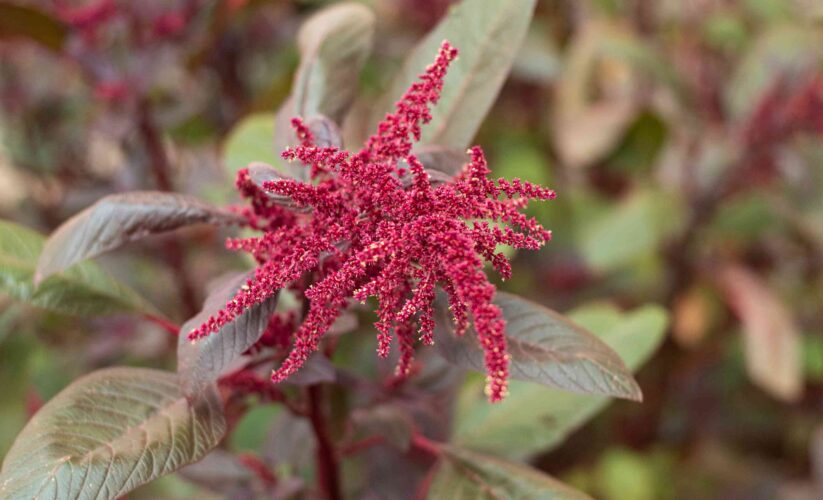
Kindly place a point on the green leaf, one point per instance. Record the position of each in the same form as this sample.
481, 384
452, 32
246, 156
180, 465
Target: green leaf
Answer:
464, 474
488, 36
628, 232
546, 348
533, 418
108, 433
251, 140
118, 219
201, 362
19, 21
84, 290
334, 45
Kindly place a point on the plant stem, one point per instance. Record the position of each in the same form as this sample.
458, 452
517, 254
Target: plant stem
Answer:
327, 460
165, 324
160, 169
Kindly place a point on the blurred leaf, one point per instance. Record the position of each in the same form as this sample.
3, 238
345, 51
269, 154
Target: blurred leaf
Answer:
201, 362
386, 420
813, 357
691, 315
251, 140
644, 140
84, 290
249, 435
316, 370
626, 233
784, 51
771, 339
108, 433
538, 60
583, 131
463, 474
121, 218
20, 21
624, 474
545, 347
533, 418
290, 441
488, 36
725, 31
334, 44
221, 472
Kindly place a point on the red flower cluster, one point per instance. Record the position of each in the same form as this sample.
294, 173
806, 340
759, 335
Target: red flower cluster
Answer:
372, 224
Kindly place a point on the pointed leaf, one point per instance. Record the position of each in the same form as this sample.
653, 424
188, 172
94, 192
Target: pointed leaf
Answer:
118, 219
334, 45
108, 433
464, 474
84, 290
546, 348
771, 338
533, 418
202, 362
488, 35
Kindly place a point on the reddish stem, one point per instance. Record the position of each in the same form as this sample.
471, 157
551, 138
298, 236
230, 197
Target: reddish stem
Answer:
424, 444
165, 324
161, 168
363, 444
326, 457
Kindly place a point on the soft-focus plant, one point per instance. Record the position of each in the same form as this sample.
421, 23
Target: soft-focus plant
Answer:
404, 229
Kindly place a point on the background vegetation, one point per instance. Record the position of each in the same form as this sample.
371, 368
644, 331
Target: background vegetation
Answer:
683, 139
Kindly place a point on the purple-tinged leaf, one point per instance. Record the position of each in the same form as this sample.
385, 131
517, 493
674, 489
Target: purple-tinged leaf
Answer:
201, 362
118, 219
546, 348
316, 370
387, 420
109, 432
463, 474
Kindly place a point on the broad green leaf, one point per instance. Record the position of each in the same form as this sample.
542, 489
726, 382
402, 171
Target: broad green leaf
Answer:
251, 140
488, 36
533, 418
118, 219
20, 21
334, 45
628, 232
546, 348
108, 433
202, 362
463, 474
84, 290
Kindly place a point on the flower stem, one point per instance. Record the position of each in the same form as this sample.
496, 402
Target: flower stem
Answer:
327, 460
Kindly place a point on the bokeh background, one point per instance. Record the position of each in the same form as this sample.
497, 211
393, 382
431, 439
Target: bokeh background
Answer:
684, 138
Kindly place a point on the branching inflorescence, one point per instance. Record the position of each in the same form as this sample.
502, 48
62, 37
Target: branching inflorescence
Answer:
378, 227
